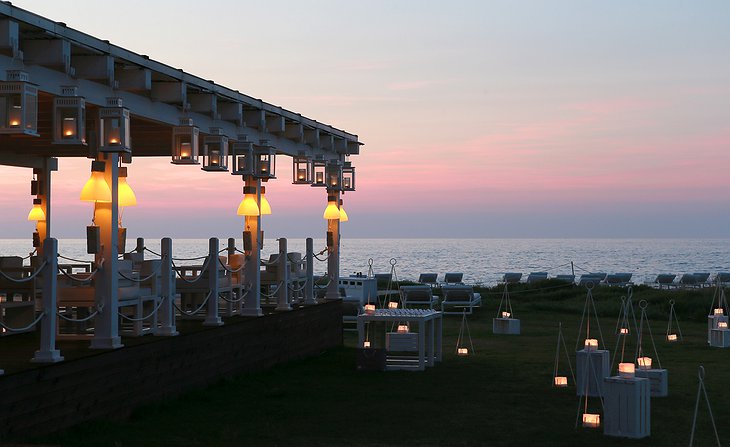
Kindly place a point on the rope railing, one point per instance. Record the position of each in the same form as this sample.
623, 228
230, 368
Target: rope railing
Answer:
25, 328
190, 314
150, 251
78, 320
316, 256
154, 311
272, 294
298, 289
272, 262
145, 279
30, 255
74, 260
237, 300
81, 280
228, 269
190, 259
300, 262
27, 278
197, 278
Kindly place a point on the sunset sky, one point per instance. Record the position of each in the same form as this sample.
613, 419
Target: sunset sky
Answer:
480, 118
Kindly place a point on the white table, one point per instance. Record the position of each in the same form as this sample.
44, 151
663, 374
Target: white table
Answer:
429, 327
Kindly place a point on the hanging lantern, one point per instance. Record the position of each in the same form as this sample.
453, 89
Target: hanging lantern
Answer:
462, 352
248, 206
69, 114
126, 195
644, 363
402, 329
626, 370
18, 105
265, 160
348, 177
591, 344
591, 420
343, 214
671, 337
334, 175
215, 151
624, 331
366, 344
242, 154
369, 308
185, 143
331, 212
114, 127
506, 314
718, 311
722, 324
560, 381
319, 166
301, 170
392, 305
96, 188
37, 213
265, 207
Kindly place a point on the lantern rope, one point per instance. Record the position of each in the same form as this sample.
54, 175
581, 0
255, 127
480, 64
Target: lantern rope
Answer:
557, 354
461, 338
585, 391
78, 320
25, 328
152, 275
82, 280
190, 314
26, 279
701, 387
272, 294
154, 311
589, 303
719, 294
639, 348
507, 303
673, 313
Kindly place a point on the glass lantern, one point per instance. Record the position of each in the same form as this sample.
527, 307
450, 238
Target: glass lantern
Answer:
319, 167
114, 127
265, 161
185, 143
242, 154
215, 151
18, 105
301, 171
334, 175
69, 114
348, 177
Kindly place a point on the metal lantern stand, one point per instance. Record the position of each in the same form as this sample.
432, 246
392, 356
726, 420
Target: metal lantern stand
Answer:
505, 323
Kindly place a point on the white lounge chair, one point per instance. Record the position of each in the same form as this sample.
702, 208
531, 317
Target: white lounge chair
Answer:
534, 277
665, 280
453, 278
417, 296
459, 298
511, 277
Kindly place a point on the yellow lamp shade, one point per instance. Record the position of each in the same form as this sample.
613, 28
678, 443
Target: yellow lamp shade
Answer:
331, 212
36, 213
248, 206
265, 207
343, 214
126, 195
96, 189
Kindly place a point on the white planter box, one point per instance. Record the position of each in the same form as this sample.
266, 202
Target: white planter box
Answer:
720, 338
591, 366
510, 326
401, 342
712, 321
658, 381
627, 406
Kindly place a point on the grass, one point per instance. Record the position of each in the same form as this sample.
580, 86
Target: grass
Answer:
500, 396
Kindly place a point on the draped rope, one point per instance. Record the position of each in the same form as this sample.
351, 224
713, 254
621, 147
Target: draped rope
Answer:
82, 280
272, 294
228, 269
154, 311
78, 320
147, 278
190, 314
26, 279
23, 329
197, 278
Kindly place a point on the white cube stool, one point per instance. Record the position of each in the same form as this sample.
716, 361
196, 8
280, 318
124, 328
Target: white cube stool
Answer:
627, 406
658, 381
720, 338
600, 367
510, 326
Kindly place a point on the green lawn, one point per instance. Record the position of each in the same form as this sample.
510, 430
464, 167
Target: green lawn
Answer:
502, 395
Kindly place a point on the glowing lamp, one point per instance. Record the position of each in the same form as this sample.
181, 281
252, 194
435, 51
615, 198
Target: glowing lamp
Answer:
334, 175
671, 337
319, 167
366, 344
718, 311
248, 206
343, 214
402, 329
560, 381
591, 420
462, 352
506, 314
215, 151
18, 105
591, 344
626, 370
644, 363
331, 212
369, 308
624, 331
242, 155
301, 170
96, 188
37, 213
69, 114
114, 131
185, 143
265, 207
126, 195
348, 177
722, 324
393, 305
265, 156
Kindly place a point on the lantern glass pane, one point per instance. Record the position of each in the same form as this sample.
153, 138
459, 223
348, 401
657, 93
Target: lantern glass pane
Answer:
14, 111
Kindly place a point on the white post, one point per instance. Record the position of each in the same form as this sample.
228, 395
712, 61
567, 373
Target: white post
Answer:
283, 276
333, 250
48, 352
252, 304
309, 297
167, 311
212, 318
140, 248
106, 281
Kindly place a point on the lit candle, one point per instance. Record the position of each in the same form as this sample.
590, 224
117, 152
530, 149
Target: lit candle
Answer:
402, 328
644, 362
561, 381
366, 344
506, 314
626, 370
69, 127
591, 420
591, 344
671, 337
462, 351
184, 150
14, 123
719, 311
215, 158
301, 174
624, 330
369, 308
264, 166
393, 305
320, 178
346, 182
722, 324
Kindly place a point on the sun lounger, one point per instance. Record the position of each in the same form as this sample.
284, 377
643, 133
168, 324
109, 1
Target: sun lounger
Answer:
534, 277
453, 278
591, 278
619, 279
723, 278
565, 278
458, 298
688, 280
702, 279
511, 277
665, 280
417, 296
428, 278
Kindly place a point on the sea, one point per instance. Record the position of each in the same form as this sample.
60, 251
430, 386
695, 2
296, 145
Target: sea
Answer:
482, 261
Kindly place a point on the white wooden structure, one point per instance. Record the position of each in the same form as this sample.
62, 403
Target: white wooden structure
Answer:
627, 405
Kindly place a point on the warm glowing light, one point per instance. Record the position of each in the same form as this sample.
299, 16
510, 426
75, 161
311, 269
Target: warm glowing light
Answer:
671, 337
69, 127
462, 351
14, 123
644, 362
126, 195
366, 344
113, 141
184, 150
506, 314
265, 207
319, 178
302, 174
369, 308
331, 212
624, 331
591, 420
96, 188
626, 370
591, 344
248, 206
561, 381
722, 324
37, 213
343, 214
393, 305
402, 328
719, 311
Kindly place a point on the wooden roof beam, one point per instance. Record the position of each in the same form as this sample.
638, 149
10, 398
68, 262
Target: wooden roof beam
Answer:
205, 103
51, 53
133, 79
170, 92
98, 68
9, 38
231, 111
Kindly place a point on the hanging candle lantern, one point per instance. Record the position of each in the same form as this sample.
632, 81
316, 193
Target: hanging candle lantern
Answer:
402, 329
185, 143
369, 308
591, 344
644, 363
334, 175
348, 177
69, 114
591, 420
626, 370
265, 160
671, 337
366, 344
18, 105
718, 311
242, 155
114, 132
624, 331
462, 352
319, 166
722, 324
215, 151
301, 170
560, 381
392, 305
506, 314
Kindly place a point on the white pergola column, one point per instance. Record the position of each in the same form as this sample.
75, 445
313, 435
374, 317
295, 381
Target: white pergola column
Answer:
44, 193
47, 353
333, 250
252, 270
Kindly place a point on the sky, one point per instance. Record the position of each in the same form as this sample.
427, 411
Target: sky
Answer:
563, 118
